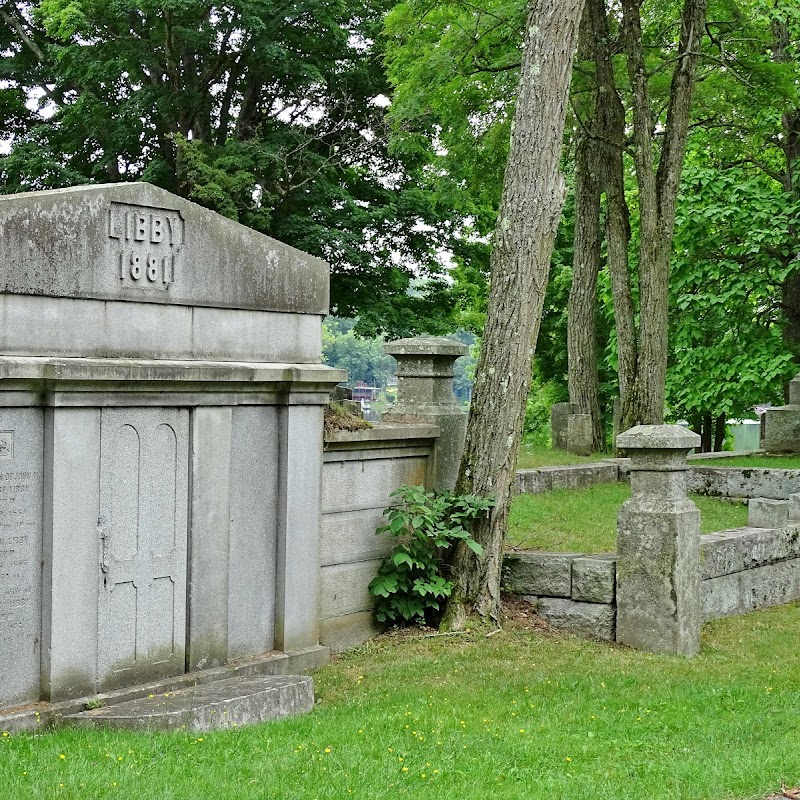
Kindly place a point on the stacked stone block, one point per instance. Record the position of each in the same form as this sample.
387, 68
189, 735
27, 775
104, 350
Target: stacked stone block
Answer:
571, 591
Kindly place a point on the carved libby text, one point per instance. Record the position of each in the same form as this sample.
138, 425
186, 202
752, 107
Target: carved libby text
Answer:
150, 240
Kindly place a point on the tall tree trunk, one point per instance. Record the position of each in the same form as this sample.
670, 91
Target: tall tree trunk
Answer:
609, 150
790, 143
719, 432
582, 377
530, 209
658, 194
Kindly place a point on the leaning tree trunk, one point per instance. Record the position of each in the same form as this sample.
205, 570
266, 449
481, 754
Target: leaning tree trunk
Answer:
530, 209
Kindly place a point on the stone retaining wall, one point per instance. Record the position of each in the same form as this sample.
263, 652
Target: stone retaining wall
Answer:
722, 481
578, 476
741, 570
776, 484
360, 470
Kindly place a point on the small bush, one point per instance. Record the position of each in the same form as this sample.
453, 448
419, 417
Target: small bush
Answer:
410, 583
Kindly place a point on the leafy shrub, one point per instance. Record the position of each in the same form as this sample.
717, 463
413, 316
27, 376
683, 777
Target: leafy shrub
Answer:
410, 583
536, 429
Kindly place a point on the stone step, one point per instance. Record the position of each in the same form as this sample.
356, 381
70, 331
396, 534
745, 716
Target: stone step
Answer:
230, 703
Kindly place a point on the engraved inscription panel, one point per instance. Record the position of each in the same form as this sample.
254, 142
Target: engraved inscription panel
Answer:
143, 539
148, 241
20, 556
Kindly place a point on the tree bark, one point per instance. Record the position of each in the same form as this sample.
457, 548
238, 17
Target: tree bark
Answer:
582, 375
530, 209
790, 143
658, 193
719, 432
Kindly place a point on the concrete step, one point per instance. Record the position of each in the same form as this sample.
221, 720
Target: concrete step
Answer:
230, 703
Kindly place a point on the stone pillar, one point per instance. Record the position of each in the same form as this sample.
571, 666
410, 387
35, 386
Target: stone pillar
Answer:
658, 545
425, 394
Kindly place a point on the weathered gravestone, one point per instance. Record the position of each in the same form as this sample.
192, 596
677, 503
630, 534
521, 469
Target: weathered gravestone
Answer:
559, 417
781, 425
160, 441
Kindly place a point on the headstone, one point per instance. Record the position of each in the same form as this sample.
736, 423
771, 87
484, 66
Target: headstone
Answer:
425, 394
782, 424
559, 413
579, 434
161, 400
658, 545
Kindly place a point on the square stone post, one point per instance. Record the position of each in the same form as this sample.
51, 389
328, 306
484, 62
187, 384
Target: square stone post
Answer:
658, 545
425, 394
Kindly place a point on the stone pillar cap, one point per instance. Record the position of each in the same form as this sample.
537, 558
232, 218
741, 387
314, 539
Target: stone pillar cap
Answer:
426, 346
658, 437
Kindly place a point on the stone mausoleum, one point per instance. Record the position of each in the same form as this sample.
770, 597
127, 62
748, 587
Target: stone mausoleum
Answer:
161, 422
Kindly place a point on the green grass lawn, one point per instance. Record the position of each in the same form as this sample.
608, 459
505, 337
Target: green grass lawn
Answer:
532, 456
770, 462
524, 714
584, 520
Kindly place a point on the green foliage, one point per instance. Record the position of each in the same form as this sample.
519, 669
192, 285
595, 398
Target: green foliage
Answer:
536, 429
411, 583
270, 113
362, 357
734, 247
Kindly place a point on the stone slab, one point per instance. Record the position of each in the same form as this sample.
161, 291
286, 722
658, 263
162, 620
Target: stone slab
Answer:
782, 429
382, 432
348, 536
750, 590
297, 606
72, 553
794, 507
220, 705
253, 530
209, 537
727, 552
137, 242
537, 573
350, 630
594, 578
763, 512
45, 715
71, 327
589, 620
658, 437
21, 449
361, 484
543, 479
345, 588
132, 374
776, 484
